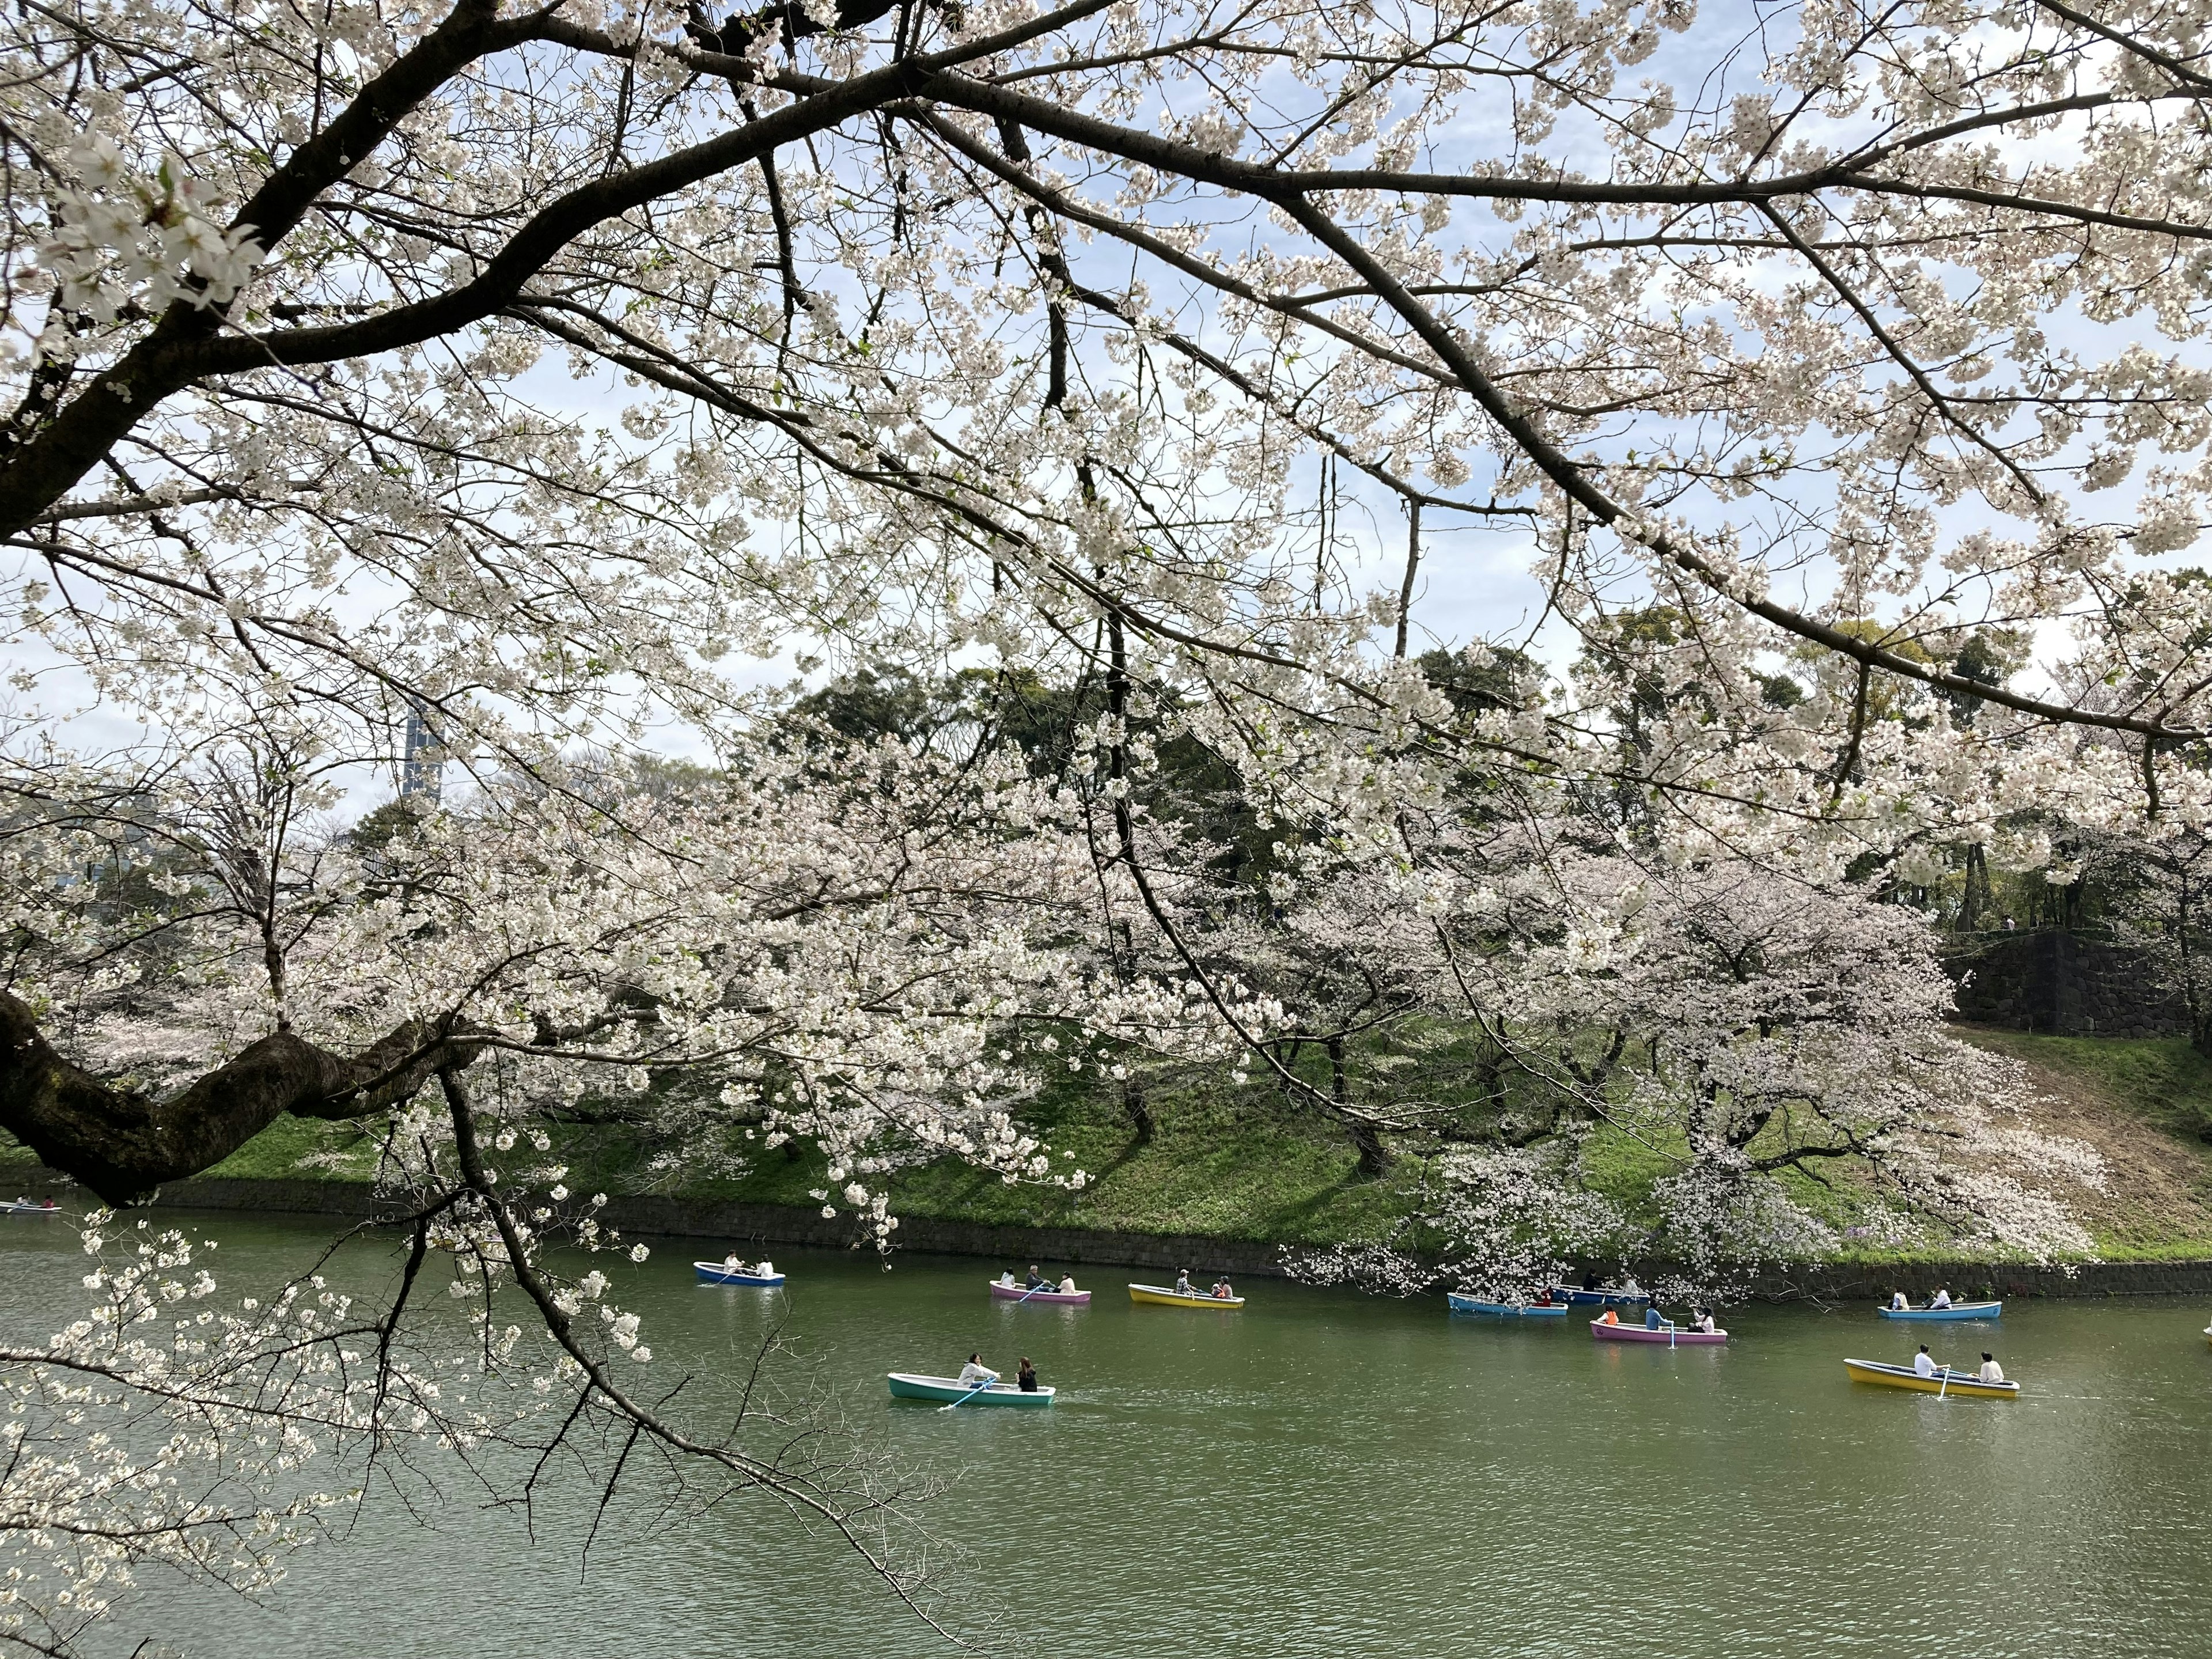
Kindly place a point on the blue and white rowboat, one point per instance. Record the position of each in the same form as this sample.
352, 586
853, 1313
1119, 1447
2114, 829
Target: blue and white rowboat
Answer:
1605, 1296
1957, 1310
718, 1273
1472, 1305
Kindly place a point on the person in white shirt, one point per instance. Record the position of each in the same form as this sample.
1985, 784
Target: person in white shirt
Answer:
1990, 1370
1897, 1301
975, 1374
1704, 1322
1921, 1365
1067, 1285
1006, 1278
1942, 1298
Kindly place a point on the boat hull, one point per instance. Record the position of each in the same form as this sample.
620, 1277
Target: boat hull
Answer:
713, 1272
1949, 1384
1470, 1304
1161, 1296
947, 1390
1603, 1296
30, 1209
1063, 1298
1956, 1312
1667, 1336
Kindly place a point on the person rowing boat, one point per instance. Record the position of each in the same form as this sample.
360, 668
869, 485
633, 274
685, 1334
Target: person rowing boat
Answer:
1923, 1364
976, 1374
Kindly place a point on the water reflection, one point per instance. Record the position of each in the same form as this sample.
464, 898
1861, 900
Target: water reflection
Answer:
1323, 1475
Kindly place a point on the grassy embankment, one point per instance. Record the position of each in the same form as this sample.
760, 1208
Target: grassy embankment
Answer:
1235, 1162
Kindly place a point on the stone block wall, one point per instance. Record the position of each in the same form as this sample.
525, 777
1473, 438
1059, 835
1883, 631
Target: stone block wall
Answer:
2063, 985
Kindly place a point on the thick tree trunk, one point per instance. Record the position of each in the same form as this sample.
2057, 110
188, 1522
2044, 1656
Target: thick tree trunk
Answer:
1374, 1156
123, 1145
1139, 1109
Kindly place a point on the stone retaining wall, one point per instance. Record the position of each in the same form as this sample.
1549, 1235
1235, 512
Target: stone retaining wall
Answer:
2063, 985
752, 1225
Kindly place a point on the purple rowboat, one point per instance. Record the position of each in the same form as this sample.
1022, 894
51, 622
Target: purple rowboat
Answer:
1670, 1336
1015, 1293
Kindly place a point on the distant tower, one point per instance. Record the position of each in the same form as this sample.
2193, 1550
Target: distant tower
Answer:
423, 769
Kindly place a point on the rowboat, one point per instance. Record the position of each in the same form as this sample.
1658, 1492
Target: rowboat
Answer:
1162, 1296
949, 1390
24, 1207
1015, 1293
1956, 1310
717, 1272
1472, 1305
1671, 1336
1605, 1296
2208, 1334
1946, 1382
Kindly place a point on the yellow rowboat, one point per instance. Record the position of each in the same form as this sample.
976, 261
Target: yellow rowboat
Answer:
2208, 1335
1162, 1296
1949, 1383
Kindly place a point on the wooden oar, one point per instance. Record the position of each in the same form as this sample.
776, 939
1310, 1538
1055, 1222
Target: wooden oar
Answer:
969, 1396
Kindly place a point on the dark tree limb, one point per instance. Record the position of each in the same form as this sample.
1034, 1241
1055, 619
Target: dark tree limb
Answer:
123, 1144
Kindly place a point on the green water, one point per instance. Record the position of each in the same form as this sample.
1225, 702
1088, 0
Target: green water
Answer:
1323, 1474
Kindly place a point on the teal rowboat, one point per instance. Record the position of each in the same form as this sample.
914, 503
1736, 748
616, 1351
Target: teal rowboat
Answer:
1475, 1304
1959, 1312
944, 1390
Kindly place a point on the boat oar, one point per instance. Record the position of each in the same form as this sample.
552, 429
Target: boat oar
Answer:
968, 1396
1946, 1382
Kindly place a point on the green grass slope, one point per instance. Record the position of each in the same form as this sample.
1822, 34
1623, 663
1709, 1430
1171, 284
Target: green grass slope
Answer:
1232, 1161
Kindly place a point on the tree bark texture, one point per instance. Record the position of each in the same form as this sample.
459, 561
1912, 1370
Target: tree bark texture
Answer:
123, 1144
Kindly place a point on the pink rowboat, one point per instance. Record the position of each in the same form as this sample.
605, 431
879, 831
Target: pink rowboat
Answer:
1015, 1293
1667, 1335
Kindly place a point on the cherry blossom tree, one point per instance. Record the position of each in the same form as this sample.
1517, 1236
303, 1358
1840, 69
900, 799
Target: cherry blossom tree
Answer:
525, 371
1771, 1049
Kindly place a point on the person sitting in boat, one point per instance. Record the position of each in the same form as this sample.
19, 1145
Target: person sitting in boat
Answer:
1182, 1284
1898, 1302
976, 1374
1990, 1370
1704, 1322
1589, 1280
1652, 1320
1941, 1299
1067, 1284
1036, 1280
1632, 1289
1006, 1278
1608, 1317
1923, 1365
1221, 1292
1025, 1377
